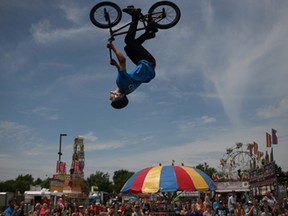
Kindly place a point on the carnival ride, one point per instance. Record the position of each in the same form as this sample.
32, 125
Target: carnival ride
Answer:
237, 161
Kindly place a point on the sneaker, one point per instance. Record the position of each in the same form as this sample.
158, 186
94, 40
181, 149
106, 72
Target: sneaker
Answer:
131, 10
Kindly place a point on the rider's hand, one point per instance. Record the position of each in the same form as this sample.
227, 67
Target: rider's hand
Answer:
109, 44
113, 62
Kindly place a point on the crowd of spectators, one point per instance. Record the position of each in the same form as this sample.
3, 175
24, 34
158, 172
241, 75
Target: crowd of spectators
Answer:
216, 206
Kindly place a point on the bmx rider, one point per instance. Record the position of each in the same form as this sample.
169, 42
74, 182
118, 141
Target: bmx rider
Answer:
145, 63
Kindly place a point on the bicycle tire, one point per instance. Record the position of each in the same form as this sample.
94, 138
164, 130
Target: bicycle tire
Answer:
172, 14
97, 14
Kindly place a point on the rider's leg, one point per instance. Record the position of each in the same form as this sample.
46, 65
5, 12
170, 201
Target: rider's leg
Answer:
134, 50
130, 36
137, 52
145, 36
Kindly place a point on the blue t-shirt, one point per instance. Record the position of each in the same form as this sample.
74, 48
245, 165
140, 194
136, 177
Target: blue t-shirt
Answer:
9, 212
142, 73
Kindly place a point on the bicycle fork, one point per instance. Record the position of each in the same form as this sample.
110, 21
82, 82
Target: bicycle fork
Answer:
107, 18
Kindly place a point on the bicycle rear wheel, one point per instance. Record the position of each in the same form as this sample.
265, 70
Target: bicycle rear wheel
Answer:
105, 14
165, 14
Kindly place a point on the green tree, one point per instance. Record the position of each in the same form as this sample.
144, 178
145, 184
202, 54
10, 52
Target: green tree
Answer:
38, 181
8, 186
208, 170
99, 179
282, 177
119, 178
23, 182
45, 183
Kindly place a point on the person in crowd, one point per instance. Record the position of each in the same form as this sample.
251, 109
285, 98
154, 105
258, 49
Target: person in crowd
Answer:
270, 199
222, 210
279, 209
121, 208
21, 210
37, 209
178, 208
285, 203
45, 210
137, 210
200, 205
106, 211
186, 207
265, 204
266, 211
146, 208
128, 209
67, 209
94, 208
239, 211
257, 208
232, 202
61, 203
208, 210
193, 211
12, 210
110, 211
207, 201
57, 211
81, 210
216, 204
249, 209
75, 209
243, 198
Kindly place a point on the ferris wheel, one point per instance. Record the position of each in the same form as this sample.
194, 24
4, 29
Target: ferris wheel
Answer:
236, 159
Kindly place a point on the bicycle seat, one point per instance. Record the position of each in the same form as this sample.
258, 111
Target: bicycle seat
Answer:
131, 10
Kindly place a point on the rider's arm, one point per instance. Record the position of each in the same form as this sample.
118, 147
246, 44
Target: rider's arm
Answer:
119, 55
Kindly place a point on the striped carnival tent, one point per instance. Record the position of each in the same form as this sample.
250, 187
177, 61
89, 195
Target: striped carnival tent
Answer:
168, 179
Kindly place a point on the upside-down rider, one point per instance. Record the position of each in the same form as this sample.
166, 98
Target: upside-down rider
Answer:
145, 63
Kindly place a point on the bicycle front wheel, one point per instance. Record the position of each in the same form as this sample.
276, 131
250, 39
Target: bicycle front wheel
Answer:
165, 14
105, 14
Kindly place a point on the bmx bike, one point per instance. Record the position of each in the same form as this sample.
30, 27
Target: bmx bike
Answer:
106, 15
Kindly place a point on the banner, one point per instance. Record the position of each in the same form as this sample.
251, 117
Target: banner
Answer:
255, 148
274, 136
250, 149
56, 185
61, 167
268, 140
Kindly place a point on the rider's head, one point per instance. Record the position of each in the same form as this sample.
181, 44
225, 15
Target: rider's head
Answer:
120, 102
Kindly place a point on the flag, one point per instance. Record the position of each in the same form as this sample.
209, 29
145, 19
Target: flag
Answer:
268, 140
61, 167
255, 148
258, 156
271, 156
250, 149
274, 136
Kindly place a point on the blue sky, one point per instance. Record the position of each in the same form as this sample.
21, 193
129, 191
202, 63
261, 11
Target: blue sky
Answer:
221, 78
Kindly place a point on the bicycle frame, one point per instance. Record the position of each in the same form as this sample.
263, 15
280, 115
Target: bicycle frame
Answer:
144, 19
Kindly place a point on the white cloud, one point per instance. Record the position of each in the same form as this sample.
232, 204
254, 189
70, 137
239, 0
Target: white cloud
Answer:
73, 12
272, 111
47, 113
207, 119
44, 32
